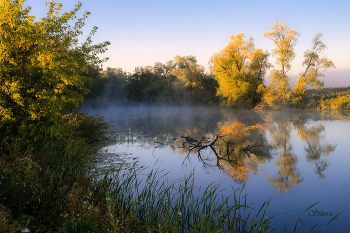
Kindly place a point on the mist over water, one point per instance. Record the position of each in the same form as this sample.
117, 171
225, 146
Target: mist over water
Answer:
307, 158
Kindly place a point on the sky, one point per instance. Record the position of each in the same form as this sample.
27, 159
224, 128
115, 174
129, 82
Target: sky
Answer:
143, 32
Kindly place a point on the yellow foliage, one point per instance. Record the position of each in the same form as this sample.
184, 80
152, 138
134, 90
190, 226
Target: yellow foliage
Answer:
341, 102
284, 39
239, 69
237, 128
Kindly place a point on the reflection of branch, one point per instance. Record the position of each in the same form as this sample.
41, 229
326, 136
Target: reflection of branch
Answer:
321, 168
259, 150
159, 144
312, 151
320, 165
205, 142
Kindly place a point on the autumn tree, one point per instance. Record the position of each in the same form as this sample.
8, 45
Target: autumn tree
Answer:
285, 39
44, 70
315, 67
239, 69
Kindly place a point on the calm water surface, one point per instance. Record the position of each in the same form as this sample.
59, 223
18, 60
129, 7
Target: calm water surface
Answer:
299, 158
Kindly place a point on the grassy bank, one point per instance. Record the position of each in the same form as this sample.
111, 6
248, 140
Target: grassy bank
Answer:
54, 188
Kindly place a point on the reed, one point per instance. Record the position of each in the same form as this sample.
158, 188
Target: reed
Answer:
152, 203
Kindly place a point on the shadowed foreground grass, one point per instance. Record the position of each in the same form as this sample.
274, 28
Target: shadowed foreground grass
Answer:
54, 189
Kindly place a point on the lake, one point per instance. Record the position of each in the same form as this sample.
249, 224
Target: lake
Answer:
296, 158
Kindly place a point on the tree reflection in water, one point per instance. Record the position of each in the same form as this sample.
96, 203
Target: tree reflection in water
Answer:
288, 174
314, 147
237, 149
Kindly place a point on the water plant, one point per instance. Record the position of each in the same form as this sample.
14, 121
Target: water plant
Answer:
152, 203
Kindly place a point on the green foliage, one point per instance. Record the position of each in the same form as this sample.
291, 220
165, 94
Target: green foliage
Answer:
144, 85
6, 224
181, 81
91, 128
153, 204
196, 86
48, 189
44, 71
34, 188
328, 98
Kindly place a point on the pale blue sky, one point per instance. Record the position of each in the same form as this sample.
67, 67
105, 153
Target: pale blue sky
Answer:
144, 32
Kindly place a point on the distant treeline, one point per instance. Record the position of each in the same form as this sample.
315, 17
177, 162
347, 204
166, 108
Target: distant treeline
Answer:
178, 82
164, 84
330, 98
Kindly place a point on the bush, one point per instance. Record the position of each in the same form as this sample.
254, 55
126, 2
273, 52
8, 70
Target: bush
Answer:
91, 128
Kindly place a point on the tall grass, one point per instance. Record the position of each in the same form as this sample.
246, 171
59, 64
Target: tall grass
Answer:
155, 204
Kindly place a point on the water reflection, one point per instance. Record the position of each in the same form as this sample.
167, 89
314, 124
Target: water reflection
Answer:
235, 149
316, 146
288, 174
238, 155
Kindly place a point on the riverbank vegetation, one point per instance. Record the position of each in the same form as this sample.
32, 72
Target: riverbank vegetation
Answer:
49, 181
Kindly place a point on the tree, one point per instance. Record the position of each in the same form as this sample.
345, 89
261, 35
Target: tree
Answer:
144, 84
44, 71
188, 71
316, 145
107, 87
285, 40
239, 69
315, 67
195, 85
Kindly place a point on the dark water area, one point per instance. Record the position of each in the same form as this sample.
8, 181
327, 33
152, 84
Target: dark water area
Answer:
297, 159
